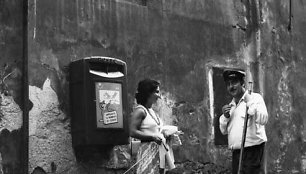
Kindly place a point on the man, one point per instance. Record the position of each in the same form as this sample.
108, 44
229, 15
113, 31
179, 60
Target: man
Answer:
232, 123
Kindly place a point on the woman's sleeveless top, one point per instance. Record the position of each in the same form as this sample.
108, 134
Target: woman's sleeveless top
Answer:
151, 123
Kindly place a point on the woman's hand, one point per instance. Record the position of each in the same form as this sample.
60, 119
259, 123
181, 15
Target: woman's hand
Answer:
157, 138
165, 134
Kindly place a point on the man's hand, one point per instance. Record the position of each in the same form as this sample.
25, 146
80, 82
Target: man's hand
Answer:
261, 117
226, 110
247, 97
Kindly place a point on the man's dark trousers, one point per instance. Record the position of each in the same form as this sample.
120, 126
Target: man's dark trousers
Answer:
253, 160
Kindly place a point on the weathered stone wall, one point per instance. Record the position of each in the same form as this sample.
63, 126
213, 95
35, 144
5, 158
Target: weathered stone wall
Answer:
176, 42
283, 52
11, 74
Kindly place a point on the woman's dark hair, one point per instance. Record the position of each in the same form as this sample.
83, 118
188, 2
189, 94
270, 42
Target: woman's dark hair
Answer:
145, 88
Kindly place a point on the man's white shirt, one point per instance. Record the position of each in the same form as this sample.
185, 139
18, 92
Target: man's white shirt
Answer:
233, 126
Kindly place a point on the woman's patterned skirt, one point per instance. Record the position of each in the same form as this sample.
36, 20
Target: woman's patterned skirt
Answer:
148, 157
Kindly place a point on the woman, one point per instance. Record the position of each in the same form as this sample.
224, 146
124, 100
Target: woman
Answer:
145, 126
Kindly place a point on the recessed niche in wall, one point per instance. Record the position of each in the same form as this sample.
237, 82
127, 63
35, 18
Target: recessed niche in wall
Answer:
218, 98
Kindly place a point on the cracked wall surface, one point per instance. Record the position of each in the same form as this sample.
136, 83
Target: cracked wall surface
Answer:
49, 137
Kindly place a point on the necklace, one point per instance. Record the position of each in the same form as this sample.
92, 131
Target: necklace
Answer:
155, 119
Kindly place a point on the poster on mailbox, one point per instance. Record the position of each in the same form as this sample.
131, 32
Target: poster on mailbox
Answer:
109, 105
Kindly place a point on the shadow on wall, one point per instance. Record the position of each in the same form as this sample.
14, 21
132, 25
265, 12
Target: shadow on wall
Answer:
38, 170
93, 153
10, 143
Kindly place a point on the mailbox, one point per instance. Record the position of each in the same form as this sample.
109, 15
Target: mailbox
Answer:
98, 102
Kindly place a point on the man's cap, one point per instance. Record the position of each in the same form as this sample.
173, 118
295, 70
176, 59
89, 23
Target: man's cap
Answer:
233, 74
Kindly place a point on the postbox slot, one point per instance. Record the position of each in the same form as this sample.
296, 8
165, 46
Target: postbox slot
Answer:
106, 70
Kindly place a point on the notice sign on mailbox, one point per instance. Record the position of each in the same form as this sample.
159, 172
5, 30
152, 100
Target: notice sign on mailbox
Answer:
109, 105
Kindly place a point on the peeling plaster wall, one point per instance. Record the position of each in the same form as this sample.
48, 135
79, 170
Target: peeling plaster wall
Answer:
176, 42
10, 136
11, 61
284, 58
49, 138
